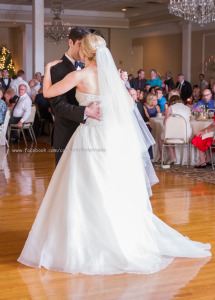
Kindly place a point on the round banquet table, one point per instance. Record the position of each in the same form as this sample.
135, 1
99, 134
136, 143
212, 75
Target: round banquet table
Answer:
181, 152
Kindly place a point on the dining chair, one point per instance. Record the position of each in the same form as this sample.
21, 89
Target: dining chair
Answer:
43, 122
3, 129
27, 125
175, 133
212, 146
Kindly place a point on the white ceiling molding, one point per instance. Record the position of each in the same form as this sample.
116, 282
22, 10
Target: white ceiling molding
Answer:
157, 29
23, 14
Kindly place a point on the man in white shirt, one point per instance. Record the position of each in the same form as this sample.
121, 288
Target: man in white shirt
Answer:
18, 81
21, 111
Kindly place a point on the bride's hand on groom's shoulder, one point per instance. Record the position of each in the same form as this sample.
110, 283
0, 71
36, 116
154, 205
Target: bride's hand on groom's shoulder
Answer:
53, 63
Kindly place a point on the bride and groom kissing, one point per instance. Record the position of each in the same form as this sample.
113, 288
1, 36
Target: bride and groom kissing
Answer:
67, 111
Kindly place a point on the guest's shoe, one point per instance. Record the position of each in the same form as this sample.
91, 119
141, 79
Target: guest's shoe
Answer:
203, 165
171, 161
208, 163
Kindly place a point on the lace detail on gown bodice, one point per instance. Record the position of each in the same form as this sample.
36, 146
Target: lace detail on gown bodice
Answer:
84, 100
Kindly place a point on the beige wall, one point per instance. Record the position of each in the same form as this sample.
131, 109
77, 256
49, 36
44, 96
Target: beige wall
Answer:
197, 53
16, 45
160, 52
121, 48
4, 36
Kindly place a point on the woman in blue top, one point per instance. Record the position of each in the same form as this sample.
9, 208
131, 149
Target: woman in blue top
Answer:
151, 106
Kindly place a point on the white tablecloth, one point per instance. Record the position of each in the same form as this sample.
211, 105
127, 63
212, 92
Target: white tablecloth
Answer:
181, 153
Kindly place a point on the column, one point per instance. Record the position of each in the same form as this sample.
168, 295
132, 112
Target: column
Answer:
27, 52
38, 35
186, 50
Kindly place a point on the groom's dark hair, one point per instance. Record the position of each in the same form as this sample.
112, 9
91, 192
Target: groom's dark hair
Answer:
77, 33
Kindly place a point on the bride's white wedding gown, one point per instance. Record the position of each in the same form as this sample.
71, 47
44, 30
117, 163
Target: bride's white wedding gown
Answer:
96, 217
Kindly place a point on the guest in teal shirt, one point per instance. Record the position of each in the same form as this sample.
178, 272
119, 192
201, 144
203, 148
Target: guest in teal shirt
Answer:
154, 81
161, 100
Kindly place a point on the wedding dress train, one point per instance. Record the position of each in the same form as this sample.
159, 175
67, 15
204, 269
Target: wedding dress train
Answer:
96, 217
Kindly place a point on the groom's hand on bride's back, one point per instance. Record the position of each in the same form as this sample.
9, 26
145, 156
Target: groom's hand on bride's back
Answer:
93, 110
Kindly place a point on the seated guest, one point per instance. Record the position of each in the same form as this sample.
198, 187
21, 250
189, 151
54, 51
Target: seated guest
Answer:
144, 114
174, 92
5, 80
130, 77
139, 82
140, 97
164, 86
152, 90
33, 86
21, 111
196, 97
206, 102
38, 78
162, 103
151, 106
124, 77
10, 97
145, 94
202, 142
176, 106
18, 81
147, 87
213, 91
3, 107
43, 106
211, 82
154, 81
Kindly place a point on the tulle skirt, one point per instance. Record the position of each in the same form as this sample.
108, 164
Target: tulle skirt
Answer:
96, 217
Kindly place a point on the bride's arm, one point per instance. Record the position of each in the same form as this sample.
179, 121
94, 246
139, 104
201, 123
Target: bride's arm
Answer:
61, 87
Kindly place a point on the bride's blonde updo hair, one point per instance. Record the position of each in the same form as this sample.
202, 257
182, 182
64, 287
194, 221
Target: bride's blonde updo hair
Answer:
90, 43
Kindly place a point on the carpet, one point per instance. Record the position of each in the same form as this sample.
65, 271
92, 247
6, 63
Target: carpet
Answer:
206, 174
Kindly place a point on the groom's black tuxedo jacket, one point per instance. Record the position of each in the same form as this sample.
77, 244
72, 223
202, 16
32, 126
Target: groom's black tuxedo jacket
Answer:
68, 115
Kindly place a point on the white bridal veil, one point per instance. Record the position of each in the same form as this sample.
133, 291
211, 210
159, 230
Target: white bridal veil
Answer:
127, 138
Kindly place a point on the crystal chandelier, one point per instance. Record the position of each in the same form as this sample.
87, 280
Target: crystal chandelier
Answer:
57, 31
199, 11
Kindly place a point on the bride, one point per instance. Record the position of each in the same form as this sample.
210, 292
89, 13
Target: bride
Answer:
96, 217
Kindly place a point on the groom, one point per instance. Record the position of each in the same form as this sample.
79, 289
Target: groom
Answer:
67, 112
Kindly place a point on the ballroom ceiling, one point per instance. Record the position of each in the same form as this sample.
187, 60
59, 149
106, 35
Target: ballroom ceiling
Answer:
134, 8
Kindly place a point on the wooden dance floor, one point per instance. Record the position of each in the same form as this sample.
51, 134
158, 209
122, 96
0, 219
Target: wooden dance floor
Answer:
184, 204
